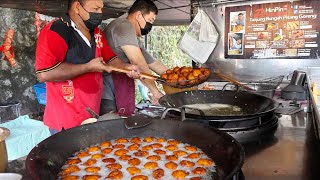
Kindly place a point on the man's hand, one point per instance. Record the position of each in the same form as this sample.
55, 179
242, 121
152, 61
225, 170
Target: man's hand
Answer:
156, 95
134, 73
97, 65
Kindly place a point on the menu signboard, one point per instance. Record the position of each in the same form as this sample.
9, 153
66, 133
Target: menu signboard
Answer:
273, 30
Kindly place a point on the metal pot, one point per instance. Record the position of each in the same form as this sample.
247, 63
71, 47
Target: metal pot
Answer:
263, 89
4, 133
46, 159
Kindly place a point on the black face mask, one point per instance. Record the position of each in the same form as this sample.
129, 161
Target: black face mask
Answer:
94, 20
147, 28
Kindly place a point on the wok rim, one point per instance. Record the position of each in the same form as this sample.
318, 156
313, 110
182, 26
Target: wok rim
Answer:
30, 157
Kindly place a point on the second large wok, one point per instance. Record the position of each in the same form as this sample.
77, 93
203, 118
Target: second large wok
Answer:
250, 104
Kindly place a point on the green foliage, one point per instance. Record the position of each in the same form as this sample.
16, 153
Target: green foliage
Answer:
162, 45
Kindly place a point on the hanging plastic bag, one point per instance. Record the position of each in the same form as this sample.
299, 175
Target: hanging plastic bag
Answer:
200, 39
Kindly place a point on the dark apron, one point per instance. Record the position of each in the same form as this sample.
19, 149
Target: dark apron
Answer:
124, 91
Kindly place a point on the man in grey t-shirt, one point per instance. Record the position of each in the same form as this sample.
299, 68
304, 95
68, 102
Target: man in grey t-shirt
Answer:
122, 35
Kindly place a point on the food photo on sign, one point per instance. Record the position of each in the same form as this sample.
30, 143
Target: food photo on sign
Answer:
238, 21
235, 44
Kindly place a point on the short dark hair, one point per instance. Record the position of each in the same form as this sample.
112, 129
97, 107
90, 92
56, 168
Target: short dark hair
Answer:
145, 6
240, 14
70, 2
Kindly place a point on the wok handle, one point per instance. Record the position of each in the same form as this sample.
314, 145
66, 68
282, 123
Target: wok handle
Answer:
164, 114
124, 70
183, 111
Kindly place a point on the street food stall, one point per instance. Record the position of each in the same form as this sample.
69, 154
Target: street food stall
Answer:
253, 111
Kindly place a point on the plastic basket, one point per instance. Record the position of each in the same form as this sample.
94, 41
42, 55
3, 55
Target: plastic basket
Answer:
40, 90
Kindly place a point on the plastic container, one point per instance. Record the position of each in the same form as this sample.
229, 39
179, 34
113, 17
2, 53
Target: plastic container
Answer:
40, 90
4, 133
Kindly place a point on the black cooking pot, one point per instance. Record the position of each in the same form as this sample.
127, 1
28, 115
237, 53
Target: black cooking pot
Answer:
47, 158
250, 104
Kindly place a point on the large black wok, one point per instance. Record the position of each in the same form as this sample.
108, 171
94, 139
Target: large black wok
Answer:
250, 104
46, 159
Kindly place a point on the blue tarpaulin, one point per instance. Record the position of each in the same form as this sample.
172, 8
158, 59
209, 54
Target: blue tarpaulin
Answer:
25, 133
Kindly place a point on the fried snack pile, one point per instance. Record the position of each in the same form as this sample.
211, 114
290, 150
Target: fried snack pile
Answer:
138, 159
185, 75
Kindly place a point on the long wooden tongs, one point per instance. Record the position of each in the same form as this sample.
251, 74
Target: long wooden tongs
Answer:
227, 78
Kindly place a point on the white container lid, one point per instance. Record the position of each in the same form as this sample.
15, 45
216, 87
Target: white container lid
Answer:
10, 176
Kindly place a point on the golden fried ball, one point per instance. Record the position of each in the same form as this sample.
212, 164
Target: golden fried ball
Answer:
171, 148
185, 74
114, 166
196, 72
158, 173
139, 177
109, 160
69, 170
146, 148
199, 171
171, 165
172, 157
121, 152
164, 76
122, 140
105, 144
191, 148
157, 145
82, 154
134, 162
125, 157
205, 162
118, 146
70, 178
97, 156
93, 148
91, 177
176, 69
133, 147
161, 140
154, 158
106, 151
179, 174
184, 70
136, 140
92, 169
133, 170
169, 71
159, 151
148, 139
191, 77
186, 163
193, 156
90, 162
141, 153
115, 175
182, 81
151, 165
180, 153
73, 161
